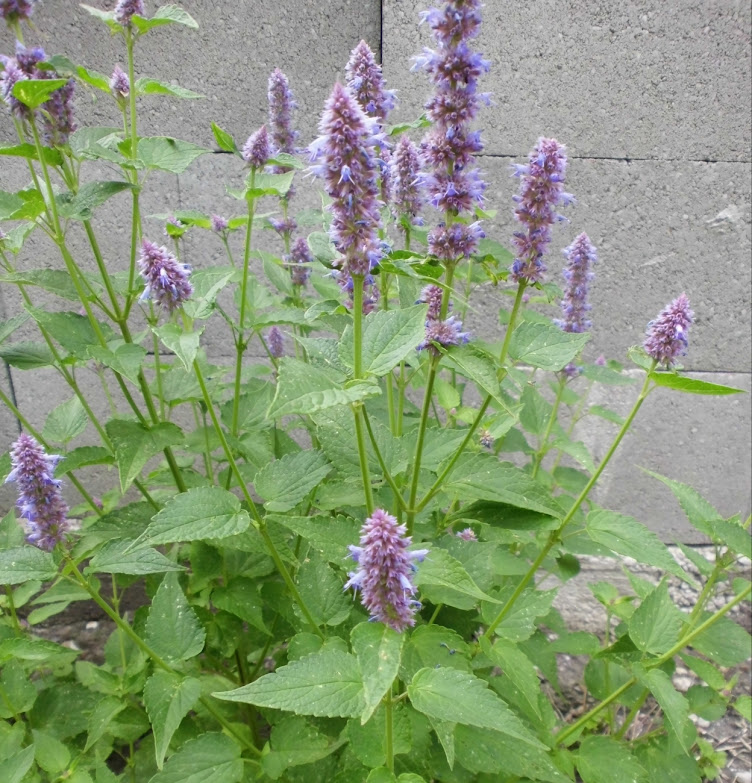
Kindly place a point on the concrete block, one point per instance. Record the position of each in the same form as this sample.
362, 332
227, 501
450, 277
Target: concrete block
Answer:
612, 80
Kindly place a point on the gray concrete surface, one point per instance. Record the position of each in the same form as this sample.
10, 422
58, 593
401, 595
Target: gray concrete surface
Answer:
652, 101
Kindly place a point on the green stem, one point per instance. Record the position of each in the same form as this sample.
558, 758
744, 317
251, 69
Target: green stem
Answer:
543, 448
357, 408
636, 707
512, 320
136, 210
555, 534
12, 609
424, 414
389, 730
103, 270
261, 525
387, 475
401, 384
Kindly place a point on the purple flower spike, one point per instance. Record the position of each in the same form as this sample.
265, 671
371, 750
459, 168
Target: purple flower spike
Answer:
366, 82
443, 334
275, 342
58, 115
668, 334
345, 160
461, 24
468, 534
11, 75
281, 105
40, 499
541, 191
218, 224
257, 149
166, 278
432, 296
405, 172
120, 84
126, 9
16, 10
283, 225
300, 256
457, 241
581, 256
385, 570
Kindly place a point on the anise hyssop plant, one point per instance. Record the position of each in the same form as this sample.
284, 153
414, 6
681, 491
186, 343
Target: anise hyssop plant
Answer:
340, 537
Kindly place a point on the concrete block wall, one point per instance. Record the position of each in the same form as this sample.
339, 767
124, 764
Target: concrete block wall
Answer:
653, 102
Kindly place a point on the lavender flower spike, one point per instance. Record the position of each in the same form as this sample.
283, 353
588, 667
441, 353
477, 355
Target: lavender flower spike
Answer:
58, 115
541, 191
581, 257
300, 257
443, 334
345, 160
120, 84
385, 570
219, 224
257, 149
40, 500
126, 9
166, 278
281, 105
668, 334
275, 342
366, 82
405, 170
16, 10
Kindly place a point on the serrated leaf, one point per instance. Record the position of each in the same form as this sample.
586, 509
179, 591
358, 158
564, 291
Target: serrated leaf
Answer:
303, 388
743, 705
101, 717
81, 205
545, 346
120, 557
321, 589
172, 628
379, 651
443, 579
286, 481
65, 422
699, 512
477, 367
241, 598
56, 281
135, 444
681, 383
146, 86
326, 684
224, 140
167, 154
125, 359
51, 156
294, 742
389, 336
675, 707
460, 697
483, 477
24, 564
517, 667
8, 327
49, 753
725, 642
82, 457
604, 760
328, 535
605, 413
606, 375
654, 627
34, 92
200, 513
519, 623
626, 536
71, 330
183, 344
209, 758
168, 699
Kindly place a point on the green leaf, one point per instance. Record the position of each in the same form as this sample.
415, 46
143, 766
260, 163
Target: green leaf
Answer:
65, 422
183, 344
168, 699
146, 86
209, 758
321, 589
101, 717
303, 388
725, 642
478, 367
126, 359
286, 481
328, 535
34, 92
459, 697
326, 684
224, 140
536, 411
71, 330
56, 281
691, 385
67, 68
379, 651
605, 413
121, 557
82, 457
517, 667
52, 157
81, 205
167, 154
443, 579
605, 375
675, 707
626, 536
15, 767
743, 705
604, 760
389, 336
51, 755
483, 477
27, 355
269, 185
19, 693
172, 628
201, 513
25, 563
654, 627
545, 346
294, 742
135, 444
11, 325
241, 597
519, 623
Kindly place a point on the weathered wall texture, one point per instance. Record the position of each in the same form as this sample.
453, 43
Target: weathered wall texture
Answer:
653, 102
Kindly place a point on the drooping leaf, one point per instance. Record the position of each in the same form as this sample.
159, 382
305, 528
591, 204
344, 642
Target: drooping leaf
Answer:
326, 684
478, 367
286, 481
146, 86
121, 557
389, 336
604, 760
209, 758
692, 385
81, 205
73, 331
675, 706
200, 513
725, 642
27, 355
545, 346
224, 140
82, 457
379, 651
443, 579
25, 563
321, 589
183, 344
126, 359
65, 422
172, 628
517, 667
329, 535
655, 625
167, 154
168, 698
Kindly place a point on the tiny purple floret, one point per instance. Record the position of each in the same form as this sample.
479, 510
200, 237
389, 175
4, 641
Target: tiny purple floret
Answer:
166, 278
443, 334
218, 224
668, 334
257, 149
120, 84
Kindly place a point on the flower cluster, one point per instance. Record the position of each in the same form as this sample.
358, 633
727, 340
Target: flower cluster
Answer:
219, 224
275, 342
40, 499
257, 150
457, 241
166, 278
300, 257
407, 195
281, 106
443, 334
449, 149
581, 256
366, 82
541, 192
125, 10
468, 534
344, 158
668, 334
14, 11
432, 296
385, 569
120, 84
